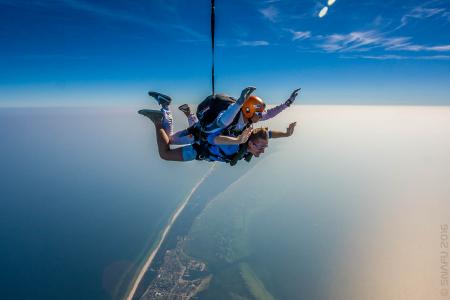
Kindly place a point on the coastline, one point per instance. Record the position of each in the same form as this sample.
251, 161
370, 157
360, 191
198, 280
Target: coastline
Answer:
140, 274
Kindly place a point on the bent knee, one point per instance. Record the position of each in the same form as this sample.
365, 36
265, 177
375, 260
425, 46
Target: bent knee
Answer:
171, 154
164, 154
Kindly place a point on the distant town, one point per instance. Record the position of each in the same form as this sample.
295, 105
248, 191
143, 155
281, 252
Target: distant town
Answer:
179, 277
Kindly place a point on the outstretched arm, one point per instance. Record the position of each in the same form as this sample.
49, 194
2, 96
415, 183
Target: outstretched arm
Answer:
272, 112
229, 140
280, 134
226, 117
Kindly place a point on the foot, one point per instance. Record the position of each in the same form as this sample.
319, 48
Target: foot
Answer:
185, 108
154, 115
162, 99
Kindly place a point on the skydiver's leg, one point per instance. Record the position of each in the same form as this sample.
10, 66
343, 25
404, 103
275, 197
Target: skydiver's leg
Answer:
192, 118
167, 121
164, 101
162, 139
179, 138
163, 146
182, 137
185, 153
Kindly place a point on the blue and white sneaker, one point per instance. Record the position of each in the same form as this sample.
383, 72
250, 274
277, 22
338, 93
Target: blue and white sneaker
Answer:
154, 115
162, 99
185, 109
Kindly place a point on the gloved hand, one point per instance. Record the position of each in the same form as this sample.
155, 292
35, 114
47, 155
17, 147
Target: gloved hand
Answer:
292, 97
245, 94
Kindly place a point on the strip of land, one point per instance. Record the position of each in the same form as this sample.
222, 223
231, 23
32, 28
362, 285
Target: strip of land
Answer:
163, 236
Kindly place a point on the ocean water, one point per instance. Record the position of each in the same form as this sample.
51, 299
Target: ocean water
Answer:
351, 207
83, 197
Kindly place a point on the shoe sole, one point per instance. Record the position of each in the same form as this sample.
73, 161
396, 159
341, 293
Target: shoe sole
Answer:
154, 115
160, 98
184, 108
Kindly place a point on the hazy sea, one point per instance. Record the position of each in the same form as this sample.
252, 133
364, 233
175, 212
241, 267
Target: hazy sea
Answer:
352, 206
84, 194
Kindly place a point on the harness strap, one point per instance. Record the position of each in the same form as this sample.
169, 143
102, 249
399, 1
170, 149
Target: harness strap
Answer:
230, 131
203, 153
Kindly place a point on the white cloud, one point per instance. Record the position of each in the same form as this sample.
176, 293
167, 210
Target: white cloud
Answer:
384, 57
439, 48
395, 43
360, 41
433, 57
354, 41
254, 43
299, 35
271, 13
416, 48
420, 12
401, 57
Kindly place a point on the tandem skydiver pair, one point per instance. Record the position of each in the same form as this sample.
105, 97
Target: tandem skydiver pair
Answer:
221, 130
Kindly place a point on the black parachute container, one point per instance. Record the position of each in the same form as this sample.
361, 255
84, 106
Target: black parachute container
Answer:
209, 109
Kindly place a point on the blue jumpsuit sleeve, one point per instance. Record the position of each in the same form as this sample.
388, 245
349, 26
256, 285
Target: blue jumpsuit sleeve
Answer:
211, 138
225, 118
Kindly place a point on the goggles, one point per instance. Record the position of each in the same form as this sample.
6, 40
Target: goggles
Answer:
259, 147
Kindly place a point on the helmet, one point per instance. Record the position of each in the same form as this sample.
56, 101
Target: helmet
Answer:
251, 105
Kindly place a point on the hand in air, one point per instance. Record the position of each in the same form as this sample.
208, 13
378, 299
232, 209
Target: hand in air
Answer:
243, 137
290, 129
245, 94
292, 97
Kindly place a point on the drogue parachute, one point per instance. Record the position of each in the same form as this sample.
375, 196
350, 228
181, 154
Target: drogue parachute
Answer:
323, 12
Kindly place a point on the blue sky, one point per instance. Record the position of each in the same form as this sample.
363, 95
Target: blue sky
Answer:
80, 52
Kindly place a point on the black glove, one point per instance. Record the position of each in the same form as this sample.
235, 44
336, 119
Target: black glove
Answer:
245, 94
292, 97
